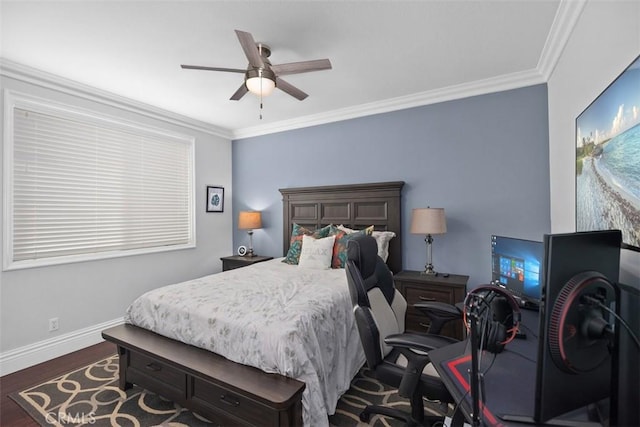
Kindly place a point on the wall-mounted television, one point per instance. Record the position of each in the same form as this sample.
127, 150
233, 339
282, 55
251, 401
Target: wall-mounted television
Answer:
607, 159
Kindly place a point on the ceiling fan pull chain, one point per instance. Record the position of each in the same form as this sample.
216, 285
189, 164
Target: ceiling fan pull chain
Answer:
260, 73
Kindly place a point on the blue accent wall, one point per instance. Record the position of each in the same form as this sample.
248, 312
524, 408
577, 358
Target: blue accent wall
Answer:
484, 159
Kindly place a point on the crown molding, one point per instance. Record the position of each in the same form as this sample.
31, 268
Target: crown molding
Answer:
23, 73
563, 24
480, 87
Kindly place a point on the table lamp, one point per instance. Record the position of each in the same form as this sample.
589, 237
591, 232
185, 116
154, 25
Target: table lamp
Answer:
250, 220
428, 221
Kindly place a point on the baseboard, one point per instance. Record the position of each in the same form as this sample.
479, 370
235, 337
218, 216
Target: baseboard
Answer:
32, 354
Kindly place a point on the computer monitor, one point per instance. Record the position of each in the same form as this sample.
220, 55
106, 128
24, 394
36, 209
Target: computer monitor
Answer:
625, 393
516, 264
574, 367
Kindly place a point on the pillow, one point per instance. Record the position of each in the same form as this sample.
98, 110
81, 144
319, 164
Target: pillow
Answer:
295, 245
340, 246
382, 239
316, 253
348, 230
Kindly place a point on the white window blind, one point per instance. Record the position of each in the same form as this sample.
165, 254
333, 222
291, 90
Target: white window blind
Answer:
85, 187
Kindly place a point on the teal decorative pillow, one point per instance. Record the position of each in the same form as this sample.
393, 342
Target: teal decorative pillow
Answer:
295, 245
339, 259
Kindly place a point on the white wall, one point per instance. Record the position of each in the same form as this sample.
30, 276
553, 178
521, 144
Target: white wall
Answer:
604, 42
88, 296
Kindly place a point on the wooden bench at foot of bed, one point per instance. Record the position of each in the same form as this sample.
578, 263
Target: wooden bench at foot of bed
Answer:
222, 391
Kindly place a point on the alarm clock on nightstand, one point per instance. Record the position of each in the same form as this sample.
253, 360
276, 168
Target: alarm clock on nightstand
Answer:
242, 250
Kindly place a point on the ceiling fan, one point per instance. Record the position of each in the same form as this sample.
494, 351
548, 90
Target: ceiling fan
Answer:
260, 77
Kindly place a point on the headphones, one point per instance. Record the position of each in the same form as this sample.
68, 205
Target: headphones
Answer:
499, 316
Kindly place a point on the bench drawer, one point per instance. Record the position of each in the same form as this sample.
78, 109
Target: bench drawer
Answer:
155, 375
237, 407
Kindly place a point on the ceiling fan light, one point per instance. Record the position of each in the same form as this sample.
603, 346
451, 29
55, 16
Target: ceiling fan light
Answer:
260, 85
260, 82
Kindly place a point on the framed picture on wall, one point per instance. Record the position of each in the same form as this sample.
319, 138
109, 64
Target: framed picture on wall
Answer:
215, 199
607, 159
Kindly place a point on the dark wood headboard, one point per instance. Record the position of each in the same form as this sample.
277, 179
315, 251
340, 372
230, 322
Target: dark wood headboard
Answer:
354, 206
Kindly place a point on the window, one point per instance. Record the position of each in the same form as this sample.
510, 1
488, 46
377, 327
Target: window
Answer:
82, 186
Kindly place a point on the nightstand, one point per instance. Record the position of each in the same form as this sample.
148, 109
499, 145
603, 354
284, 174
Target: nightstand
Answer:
417, 287
237, 261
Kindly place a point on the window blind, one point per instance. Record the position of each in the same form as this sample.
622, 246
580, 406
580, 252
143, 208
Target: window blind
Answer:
84, 186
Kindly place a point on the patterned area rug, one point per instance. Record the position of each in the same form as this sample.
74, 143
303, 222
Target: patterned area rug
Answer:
90, 396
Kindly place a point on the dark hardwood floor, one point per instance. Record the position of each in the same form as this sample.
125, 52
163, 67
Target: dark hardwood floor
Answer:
13, 415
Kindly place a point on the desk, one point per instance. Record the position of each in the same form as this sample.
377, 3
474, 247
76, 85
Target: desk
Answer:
509, 378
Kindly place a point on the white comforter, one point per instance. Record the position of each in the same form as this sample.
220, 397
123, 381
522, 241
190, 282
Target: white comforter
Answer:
273, 316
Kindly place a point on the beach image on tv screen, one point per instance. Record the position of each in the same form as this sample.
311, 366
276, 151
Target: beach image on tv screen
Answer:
608, 159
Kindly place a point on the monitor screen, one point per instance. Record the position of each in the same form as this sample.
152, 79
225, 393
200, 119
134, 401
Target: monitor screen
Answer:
516, 264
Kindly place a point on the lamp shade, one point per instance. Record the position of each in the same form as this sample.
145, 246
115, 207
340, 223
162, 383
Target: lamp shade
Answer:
250, 220
428, 221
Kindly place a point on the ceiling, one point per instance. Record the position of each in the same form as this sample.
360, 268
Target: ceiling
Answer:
386, 55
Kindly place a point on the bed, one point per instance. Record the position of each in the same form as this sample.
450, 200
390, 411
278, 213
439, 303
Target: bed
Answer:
288, 367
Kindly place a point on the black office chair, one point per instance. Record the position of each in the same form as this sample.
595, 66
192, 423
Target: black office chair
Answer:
395, 357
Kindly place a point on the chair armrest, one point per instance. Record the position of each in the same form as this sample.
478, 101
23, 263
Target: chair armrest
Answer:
418, 342
415, 347
439, 313
439, 309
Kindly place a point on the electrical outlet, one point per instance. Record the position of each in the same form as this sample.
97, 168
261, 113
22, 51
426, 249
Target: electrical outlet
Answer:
53, 324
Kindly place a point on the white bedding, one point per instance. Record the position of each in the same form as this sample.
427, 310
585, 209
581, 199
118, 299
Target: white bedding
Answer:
274, 316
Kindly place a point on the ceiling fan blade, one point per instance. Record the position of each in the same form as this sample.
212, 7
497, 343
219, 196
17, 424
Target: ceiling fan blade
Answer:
301, 67
239, 93
199, 67
250, 49
290, 89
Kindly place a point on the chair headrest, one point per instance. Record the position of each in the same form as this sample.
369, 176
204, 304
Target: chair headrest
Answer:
363, 251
